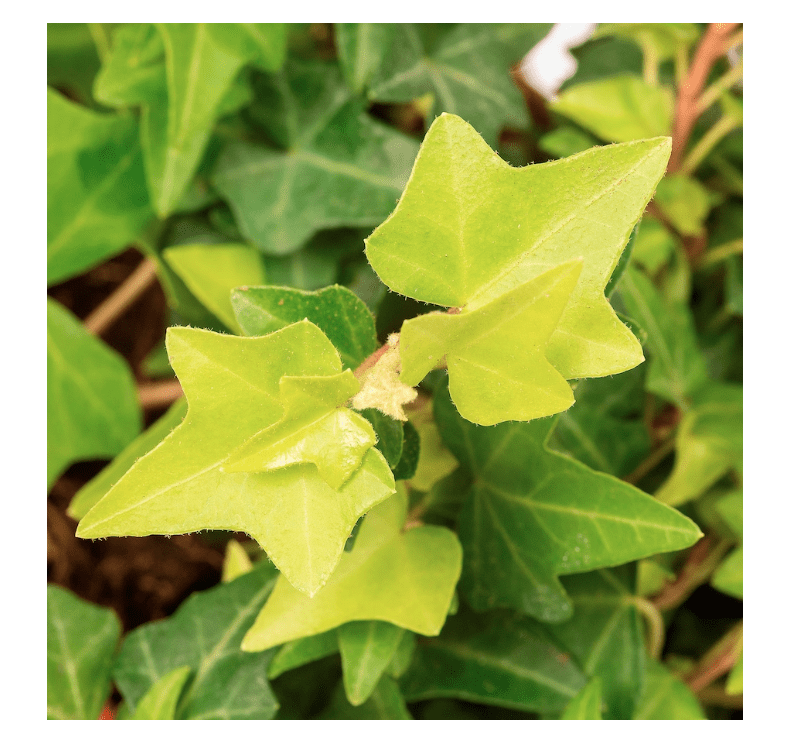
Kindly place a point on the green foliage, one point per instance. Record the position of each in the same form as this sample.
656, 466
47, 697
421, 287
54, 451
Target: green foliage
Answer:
413, 373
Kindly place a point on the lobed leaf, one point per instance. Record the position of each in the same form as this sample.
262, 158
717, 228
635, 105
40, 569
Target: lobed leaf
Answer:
232, 385
420, 568
161, 701
666, 697
530, 515
586, 704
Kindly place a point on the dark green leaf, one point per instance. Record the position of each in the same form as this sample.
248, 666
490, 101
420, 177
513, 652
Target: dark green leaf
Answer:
411, 449
72, 59
389, 436
81, 641
386, 702
204, 634
296, 653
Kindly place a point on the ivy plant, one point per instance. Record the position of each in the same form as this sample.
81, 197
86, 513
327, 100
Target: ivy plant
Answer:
464, 422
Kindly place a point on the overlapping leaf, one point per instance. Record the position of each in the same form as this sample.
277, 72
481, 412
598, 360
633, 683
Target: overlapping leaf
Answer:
97, 201
470, 229
500, 658
385, 702
204, 635
161, 701
418, 568
530, 515
81, 642
233, 386
605, 636
586, 704
465, 67
335, 166
92, 408
666, 697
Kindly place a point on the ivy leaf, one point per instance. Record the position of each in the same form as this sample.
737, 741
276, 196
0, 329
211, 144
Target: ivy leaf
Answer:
677, 368
605, 636
491, 228
666, 697
336, 166
617, 109
499, 658
93, 491
362, 48
178, 122
586, 704
386, 702
654, 245
336, 310
465, 67
161, 700
566, 141
420, 566
97, 201
295, 653
486, 385
211, 271
92, 408
407, 466
366, 649
734, 684
232, 385
203, 635
662, 40
81, 639
708, 444
728, 577
530, 514
685, 202
236, 561
314, 429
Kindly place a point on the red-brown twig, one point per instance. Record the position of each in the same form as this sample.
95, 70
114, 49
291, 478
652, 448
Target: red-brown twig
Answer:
158, 394
712, 46
719, 660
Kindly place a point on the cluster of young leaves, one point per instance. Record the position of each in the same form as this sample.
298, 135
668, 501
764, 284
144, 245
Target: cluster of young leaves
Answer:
476, 544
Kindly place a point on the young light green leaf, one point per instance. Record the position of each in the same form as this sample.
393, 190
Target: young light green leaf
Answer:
97, 201
465, 67
500, 658
617, 109
653, 246
90, 494
728, 577
236, 561
92, 408
81, 641
420, 566
491, 228
301, 651
177, 122
734, 684
709, 443
386, 702
685, 202
162, 698
232, 386
435, 460
211, 271
530, 514
366, 648
587, 703
332, 148
662, 40
677, 368
314, 429
666, 697
730, 507
491, 380
337, 311
203, 635
605, 636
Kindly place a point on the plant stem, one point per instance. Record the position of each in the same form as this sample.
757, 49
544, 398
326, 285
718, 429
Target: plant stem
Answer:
719, 660
651, 461
714, 91
655, 625
712, 45
121, 298
101, 40
159, 394
715, 695
650, 66
706, 143
722, 252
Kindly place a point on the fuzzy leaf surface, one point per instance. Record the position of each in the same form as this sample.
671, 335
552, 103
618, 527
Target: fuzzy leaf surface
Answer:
335, 166
465, 67
232, 385
469, 229
161, 700
336, 310
530, 515
605, 636
500, 658
97, 201
95, 489
212, 271
204, 634
617, 109
709, 443
666, 697
81, 639
677, 368
586, 704
366, 649
420, 568
92, 408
